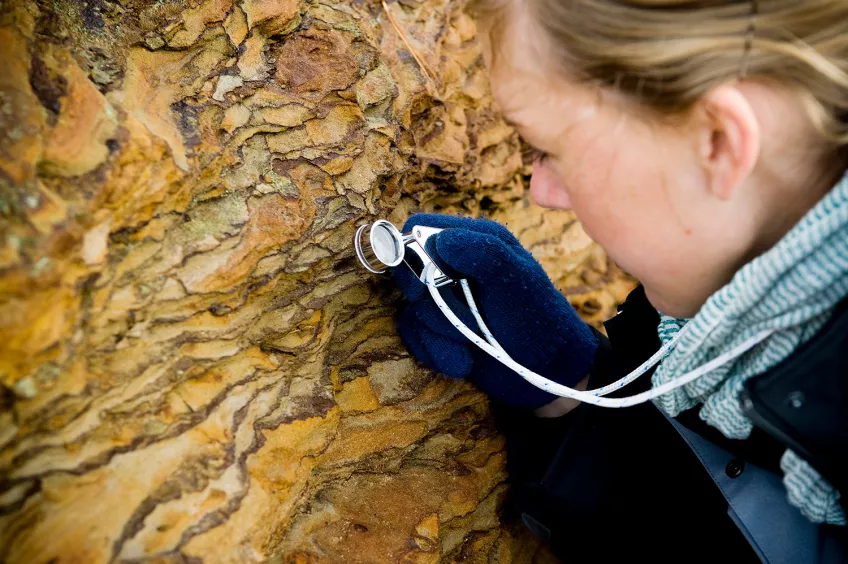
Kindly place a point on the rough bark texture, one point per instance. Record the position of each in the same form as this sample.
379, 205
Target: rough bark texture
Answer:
193, 365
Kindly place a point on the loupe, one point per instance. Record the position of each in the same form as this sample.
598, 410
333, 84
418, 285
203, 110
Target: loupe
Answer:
381, 245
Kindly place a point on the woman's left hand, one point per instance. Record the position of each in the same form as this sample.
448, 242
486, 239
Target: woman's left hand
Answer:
528, 316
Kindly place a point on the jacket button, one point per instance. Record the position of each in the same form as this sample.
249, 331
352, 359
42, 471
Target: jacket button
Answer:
735, 468
796, 400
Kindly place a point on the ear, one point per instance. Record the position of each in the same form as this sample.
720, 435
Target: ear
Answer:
729, 139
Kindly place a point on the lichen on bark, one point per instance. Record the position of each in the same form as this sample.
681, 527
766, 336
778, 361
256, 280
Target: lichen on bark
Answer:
192, 364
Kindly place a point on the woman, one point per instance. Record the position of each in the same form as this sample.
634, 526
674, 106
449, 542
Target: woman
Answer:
703, 145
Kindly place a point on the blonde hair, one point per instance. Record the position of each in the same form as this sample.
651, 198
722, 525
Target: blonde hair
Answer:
668, 53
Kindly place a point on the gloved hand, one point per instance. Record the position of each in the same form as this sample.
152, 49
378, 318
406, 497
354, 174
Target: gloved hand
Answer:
528, 316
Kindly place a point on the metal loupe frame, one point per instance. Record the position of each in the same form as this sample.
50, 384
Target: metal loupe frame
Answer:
411, 245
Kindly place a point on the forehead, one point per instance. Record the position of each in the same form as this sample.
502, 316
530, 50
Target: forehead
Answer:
514, 49
524, 74
530, 89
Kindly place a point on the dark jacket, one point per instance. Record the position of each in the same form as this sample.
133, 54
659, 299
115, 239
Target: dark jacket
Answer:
615, 484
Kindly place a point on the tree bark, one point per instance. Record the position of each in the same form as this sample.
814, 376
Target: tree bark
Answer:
193, 365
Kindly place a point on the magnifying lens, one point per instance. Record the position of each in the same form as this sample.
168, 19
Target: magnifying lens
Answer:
381, 245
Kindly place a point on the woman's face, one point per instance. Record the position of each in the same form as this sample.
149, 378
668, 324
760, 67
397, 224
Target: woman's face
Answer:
636, 184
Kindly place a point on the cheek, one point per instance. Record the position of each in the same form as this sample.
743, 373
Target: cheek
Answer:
593, 195
620, 205
607, 196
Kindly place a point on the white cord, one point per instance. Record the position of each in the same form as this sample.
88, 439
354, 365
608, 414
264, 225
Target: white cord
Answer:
492, 347
476, 313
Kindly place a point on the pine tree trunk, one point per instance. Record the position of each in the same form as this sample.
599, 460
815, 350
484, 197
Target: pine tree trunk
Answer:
193, 365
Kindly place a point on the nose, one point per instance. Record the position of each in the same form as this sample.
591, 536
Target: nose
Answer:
547, 189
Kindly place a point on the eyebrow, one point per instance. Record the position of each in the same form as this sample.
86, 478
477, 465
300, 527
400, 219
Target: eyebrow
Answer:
511, 122
519, 126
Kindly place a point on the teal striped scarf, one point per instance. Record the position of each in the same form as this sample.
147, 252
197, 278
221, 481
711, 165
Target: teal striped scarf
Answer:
793, 289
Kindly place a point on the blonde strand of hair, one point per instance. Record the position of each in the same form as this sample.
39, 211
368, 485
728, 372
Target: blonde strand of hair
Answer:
668, 53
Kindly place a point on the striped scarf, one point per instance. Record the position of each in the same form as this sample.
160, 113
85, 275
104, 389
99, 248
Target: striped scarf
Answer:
793, 289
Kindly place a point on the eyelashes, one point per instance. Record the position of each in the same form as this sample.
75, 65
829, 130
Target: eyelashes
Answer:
538, 155
535, 154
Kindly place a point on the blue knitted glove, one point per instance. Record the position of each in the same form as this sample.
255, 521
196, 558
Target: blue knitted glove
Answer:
528, 316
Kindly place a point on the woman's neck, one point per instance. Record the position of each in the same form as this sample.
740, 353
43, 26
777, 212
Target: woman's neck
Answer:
784, 197
792, 196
